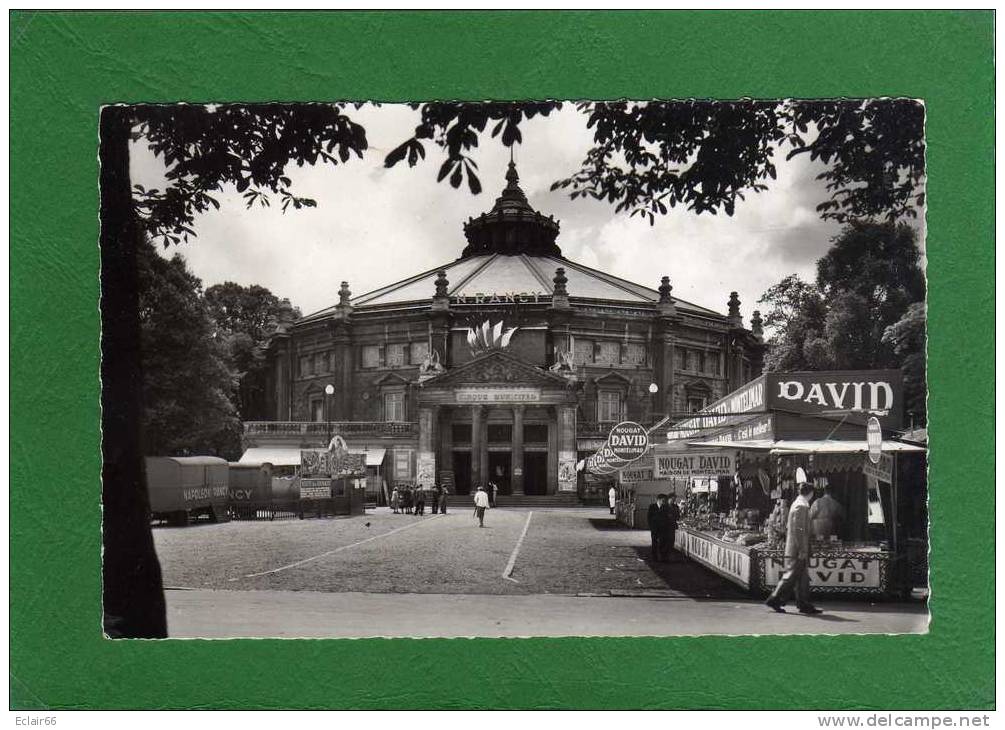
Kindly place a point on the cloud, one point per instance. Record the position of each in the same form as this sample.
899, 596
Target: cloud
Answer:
374, 226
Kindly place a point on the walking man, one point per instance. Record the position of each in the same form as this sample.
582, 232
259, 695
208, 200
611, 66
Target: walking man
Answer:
796, 578
481, 504
612, 498
655, 517
443, 499
671, 516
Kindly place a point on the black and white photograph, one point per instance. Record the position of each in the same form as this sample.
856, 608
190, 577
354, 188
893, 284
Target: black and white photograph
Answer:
514, 369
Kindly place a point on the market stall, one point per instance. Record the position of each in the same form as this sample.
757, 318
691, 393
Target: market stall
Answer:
753, 446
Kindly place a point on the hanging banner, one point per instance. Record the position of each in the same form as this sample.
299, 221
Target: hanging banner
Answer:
692, 464
883, 471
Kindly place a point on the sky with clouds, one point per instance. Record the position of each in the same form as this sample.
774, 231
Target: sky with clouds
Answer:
374, 226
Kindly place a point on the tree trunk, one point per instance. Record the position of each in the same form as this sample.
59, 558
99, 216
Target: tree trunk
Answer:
133, 593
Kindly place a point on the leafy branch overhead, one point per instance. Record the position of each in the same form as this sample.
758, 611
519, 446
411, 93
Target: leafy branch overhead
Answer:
649, 157
249, 146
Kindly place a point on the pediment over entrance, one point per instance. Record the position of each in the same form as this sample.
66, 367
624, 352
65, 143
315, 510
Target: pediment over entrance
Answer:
496, 368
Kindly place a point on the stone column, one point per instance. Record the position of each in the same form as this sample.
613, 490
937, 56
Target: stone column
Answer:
476, 447
425, 463
516, 455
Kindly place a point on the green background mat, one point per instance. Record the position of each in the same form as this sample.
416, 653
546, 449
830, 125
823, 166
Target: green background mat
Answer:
65, 65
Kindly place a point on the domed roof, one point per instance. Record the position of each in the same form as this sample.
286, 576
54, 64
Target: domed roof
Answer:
511, 251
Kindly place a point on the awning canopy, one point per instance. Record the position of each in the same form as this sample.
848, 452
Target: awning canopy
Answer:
789, 446
374, 457
275, 456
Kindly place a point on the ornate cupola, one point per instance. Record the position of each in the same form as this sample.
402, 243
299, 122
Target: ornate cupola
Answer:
512, 227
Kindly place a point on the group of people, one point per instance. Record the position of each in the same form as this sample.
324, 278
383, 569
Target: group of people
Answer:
663, 516
412, 500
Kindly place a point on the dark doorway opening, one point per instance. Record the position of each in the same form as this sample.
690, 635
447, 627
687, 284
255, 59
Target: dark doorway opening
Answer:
535, 473
499, 468
462, 472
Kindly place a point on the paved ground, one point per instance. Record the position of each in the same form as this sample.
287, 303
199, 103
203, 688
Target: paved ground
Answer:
261, 614
541, 572
564, 551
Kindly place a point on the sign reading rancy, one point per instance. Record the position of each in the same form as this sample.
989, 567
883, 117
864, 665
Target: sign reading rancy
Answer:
691, 464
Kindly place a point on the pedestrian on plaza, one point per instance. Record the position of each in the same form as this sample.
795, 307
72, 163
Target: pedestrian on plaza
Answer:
612, 498
826, 515
493, 492
443, 500
670, 518
420, 501
436, 499
406, 500
481, 504
654, 516
395, 500
796, 578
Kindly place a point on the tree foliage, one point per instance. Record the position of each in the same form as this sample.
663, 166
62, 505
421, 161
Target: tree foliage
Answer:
245, 318
205, 148
649, 157
188, 381
864, 311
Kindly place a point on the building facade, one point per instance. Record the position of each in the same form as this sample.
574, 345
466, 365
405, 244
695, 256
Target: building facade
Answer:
508, 364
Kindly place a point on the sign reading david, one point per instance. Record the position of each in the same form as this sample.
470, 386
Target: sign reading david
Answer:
628, 441
879, 393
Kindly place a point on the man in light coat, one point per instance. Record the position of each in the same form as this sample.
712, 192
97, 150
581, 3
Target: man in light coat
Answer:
481, 504
796, 578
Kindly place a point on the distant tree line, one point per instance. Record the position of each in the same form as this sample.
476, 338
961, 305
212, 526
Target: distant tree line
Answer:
865, 310
203, 354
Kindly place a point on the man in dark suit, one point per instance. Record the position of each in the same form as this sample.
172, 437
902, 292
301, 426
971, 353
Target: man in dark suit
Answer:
671, 516
656, 518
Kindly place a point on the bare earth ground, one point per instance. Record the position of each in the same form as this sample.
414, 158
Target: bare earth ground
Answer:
570, 551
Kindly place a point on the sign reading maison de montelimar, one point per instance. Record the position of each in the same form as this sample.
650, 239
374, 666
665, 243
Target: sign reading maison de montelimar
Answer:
699, 464
498, 395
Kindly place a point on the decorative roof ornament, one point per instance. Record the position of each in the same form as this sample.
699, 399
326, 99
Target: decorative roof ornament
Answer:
734, 310
512, 227
665, 305
441, 283
488, 337
344, 295
757, 326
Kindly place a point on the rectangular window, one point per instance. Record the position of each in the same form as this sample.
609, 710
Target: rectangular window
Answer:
461, 433
371, 356
634, 354
418, 353
681, 357
713, 363
395, 356
583, 352
394, 406
535, 433
317, 410
305, 366
701, 362
695, 403
609, 406
500, 433
320, 364
609, 353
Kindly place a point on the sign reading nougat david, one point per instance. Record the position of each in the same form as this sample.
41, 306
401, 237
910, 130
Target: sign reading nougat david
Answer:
695, 464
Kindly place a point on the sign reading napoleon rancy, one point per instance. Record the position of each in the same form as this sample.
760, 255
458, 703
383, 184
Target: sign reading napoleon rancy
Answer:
695, 464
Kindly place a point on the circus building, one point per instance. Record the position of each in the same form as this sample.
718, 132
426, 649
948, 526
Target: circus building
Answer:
508, 364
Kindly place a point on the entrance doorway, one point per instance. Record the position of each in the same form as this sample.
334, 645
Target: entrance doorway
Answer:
499, 466
535, 473
462, 472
